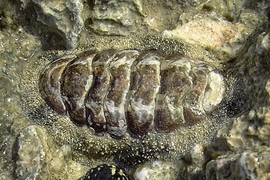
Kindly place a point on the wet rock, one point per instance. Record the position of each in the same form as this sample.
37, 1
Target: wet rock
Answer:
230, 10
37, 157
7, 19
31, 154
198, 155
247, 165
58, 23
158, 170
224, 38
248, 136
115, 17
221, 168
25, 46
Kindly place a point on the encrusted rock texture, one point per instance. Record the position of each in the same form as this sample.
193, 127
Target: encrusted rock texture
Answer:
232, 37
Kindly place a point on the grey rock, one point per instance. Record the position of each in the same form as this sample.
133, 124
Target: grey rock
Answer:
38, 157
59, 23
247, 165
116, 17
30, 154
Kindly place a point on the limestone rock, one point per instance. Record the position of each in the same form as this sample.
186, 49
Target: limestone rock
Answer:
116, 17
157, 170
59, 23
224, 38
248, 165
31, 154
38, 157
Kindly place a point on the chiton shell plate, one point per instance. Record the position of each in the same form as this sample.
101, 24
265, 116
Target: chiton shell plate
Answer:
131, 91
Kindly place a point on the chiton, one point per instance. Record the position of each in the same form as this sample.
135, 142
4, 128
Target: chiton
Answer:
131, 91
105, 172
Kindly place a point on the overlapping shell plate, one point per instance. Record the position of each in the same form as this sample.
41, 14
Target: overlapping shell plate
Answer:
132, 91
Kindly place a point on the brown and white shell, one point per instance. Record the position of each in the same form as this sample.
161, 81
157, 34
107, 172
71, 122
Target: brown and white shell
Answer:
119, 91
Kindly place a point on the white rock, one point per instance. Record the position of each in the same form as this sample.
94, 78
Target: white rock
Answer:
157, 170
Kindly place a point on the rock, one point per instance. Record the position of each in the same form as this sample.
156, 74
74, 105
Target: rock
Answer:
58, 23
38, 157
198, 155
25, 47
6, 20
247, 165
158, 170
221, 168
31, 154
230, 10
256, 122
224, 38
116, 17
